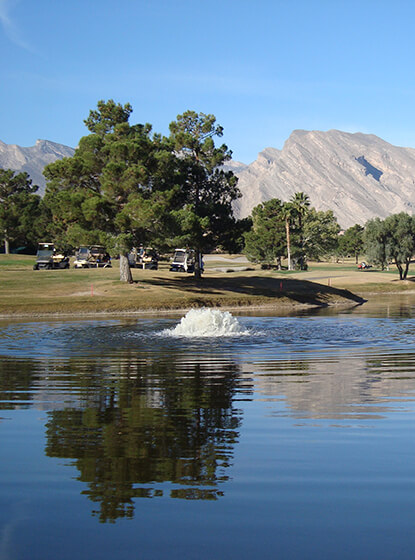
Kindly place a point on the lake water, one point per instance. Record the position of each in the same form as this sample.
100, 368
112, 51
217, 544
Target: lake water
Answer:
217, 437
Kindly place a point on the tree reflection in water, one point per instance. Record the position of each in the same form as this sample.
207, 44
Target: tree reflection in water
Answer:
16, 379
146, 422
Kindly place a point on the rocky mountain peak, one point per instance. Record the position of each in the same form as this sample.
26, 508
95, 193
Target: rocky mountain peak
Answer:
33, 159
358, 176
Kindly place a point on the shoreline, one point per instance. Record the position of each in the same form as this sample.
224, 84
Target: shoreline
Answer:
287, 306
29, 294
284, 306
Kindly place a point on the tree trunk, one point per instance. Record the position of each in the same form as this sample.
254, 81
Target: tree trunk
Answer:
6, 246
287, 231
405, 274
198, 271
125, 271
399, 267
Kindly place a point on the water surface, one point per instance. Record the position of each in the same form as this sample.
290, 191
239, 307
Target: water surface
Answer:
283, 437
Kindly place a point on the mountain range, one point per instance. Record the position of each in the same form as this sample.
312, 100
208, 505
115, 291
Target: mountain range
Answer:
33, 159
358, 176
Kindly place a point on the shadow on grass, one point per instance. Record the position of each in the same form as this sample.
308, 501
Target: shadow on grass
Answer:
300, 291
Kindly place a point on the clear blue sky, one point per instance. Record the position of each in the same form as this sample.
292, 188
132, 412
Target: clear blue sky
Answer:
264, 68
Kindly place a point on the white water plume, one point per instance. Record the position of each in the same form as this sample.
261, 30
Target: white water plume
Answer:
208, 323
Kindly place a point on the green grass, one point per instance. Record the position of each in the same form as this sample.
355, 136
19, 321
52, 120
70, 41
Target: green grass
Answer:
25, 291
17, 261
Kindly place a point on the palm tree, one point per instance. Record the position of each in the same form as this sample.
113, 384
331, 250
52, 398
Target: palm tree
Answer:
288, 214
300, 203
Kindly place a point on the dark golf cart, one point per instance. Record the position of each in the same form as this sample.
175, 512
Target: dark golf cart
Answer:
48, 258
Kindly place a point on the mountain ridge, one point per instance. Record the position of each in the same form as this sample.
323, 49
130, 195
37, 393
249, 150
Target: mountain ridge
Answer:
358, 176
33, 159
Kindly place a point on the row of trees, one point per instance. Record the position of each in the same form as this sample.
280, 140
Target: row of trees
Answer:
391, 240
20, 210
126, 185
290, 229
296, 231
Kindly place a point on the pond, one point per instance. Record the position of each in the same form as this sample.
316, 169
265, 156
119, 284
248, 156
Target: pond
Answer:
210, 436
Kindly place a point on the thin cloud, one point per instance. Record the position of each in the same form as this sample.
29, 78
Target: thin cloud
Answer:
10, 29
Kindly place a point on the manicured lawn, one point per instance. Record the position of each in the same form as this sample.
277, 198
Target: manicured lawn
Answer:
25, 291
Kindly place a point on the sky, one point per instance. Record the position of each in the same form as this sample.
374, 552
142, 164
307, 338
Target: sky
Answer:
263, 68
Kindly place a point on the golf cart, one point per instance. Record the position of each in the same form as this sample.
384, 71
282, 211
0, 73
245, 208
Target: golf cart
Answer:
47, 258
92, 256
184, 261
143, 258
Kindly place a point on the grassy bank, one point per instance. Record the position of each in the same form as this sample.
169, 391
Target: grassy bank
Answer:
227, 282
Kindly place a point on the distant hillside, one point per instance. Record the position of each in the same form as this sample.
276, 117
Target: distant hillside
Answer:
33, 159
358, 176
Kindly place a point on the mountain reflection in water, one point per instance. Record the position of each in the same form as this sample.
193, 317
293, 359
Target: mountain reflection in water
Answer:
349, 388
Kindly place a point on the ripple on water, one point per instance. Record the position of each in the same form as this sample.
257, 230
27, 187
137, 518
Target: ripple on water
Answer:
205, 331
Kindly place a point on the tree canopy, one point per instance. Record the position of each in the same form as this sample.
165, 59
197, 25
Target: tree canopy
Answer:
19, 209
320, 234
116, 189
207, 191
392, 240
292, 229
127, 186
351, 242
265, 243
375, 239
